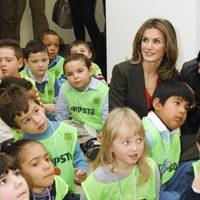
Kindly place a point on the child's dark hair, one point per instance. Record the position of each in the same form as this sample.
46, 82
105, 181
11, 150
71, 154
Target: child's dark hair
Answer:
75, 57
11, 80
169, 88
12, 44
48, 32
14, 100
7, 163
18, 146
77, 43
34, 46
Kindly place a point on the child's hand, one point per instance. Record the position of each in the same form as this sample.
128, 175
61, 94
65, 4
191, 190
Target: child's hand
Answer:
196, 181
50, 107
80, 175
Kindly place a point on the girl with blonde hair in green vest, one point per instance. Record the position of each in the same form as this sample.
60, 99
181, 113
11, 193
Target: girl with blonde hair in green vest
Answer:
35, 163
122, 170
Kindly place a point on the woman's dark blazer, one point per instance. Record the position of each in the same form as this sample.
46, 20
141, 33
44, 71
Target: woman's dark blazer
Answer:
127, 88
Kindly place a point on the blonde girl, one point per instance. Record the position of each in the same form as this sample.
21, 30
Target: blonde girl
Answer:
122, 170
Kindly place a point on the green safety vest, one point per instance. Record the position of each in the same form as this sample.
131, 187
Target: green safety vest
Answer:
61, 188
49, 91
86, 107
27, 77
95, 70
61, 145
166, 155
196, 167
130, 189
17, 134
57, 69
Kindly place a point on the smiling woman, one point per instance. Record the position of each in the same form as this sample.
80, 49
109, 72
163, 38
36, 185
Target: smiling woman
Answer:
153, 59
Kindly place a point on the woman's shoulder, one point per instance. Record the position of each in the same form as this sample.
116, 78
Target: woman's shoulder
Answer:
126, 67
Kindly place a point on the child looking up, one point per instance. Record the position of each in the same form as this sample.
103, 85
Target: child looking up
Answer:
37, 60
80, 46
59, 138
52, 40
122, 169
170, 103
82, 97
12, 184
35, 163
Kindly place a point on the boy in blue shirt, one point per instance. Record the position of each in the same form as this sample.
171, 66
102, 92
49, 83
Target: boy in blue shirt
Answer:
170, 103
37, 60
83, 98
19, 109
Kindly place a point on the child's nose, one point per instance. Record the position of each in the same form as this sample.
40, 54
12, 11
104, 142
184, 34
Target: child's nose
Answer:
17, 181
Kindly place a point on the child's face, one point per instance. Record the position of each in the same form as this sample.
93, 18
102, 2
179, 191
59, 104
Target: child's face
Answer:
38, 63
81, 49
78, 75
174, 111
34, 121
127, 148
37, 164
13, 186
52, 43
9, 63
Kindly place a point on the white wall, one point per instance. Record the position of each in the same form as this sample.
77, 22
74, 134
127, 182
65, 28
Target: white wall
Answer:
125, 17
66, 34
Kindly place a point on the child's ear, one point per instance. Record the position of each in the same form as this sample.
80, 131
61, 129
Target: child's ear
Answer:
156, 104
21, 63
90, 70
89, 54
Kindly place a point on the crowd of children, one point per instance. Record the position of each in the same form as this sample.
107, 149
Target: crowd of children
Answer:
52, 107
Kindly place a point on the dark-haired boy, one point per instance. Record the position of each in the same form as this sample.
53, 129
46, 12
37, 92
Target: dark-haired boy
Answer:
170, 103
59, 138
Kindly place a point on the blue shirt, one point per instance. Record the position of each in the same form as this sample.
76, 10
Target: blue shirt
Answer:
78, 157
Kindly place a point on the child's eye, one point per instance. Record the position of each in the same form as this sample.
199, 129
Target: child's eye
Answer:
3, 182
48, 158
176, 102
27, 121
139, 140
35, 164
125, 142
17, 173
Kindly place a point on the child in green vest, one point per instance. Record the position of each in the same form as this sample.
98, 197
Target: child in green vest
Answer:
52, 40
122, 169
21, 110
83, 98
193, 193
36, 60
12, 184
36, 165
80, 46
170, 103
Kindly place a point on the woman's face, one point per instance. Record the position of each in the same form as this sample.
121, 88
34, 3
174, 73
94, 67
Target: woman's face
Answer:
153, 46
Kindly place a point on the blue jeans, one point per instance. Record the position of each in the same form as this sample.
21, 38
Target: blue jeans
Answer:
182, 179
